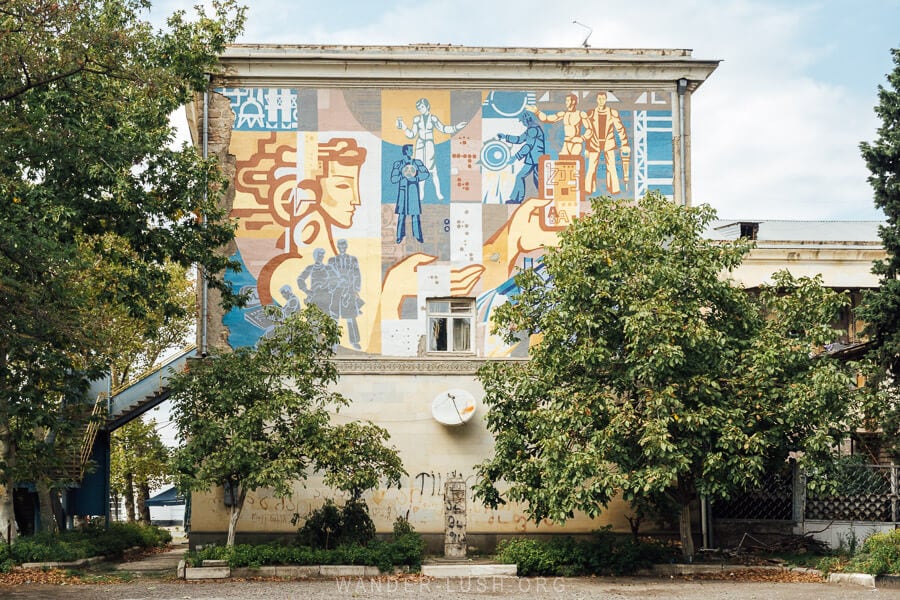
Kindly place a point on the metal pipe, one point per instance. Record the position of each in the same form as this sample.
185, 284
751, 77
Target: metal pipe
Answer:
204, 288
704, 520
682, 88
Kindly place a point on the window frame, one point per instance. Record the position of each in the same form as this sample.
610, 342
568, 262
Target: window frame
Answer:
464, 310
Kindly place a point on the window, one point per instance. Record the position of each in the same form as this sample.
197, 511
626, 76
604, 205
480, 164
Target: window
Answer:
749, 230
451, 325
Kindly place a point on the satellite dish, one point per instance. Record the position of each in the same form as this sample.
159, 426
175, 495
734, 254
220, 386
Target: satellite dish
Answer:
453, 407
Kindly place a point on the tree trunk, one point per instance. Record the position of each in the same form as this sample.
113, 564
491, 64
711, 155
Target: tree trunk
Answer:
684, 528
143, 509
8, 529
236, 507
45, 503
129, 497
58, 510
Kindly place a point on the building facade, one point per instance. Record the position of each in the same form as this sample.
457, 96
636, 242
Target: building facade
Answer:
400, 189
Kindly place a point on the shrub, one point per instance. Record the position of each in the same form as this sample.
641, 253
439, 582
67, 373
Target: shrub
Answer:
92, 540
329, 526
605, 553
356, 524
6, 560
405, 548
880, 554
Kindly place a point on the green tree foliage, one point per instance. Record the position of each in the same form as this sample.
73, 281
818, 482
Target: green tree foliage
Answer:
651, 373
261, 418
138, 463
89, 185
881, 307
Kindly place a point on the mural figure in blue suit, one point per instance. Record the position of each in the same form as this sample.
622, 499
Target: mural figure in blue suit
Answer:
407, 173
532, 149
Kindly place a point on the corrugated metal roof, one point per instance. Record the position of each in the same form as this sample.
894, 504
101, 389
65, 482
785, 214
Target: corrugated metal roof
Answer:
798, 231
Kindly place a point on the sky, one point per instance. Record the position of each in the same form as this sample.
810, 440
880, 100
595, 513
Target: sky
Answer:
775, 129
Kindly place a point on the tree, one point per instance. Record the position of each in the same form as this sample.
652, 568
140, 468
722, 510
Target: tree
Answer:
261, 417
881, 307
652, 374
139, 461
88, 180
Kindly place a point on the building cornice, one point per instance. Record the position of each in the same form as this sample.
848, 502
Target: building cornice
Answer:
462, 67
413, 366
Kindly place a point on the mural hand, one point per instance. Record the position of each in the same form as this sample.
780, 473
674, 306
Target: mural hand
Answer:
527, 230
399, 282
463, 279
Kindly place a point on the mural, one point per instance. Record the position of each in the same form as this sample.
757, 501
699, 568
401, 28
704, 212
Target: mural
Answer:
368, 202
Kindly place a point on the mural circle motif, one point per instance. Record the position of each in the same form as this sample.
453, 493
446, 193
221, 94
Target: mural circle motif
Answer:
508, 104
495, 155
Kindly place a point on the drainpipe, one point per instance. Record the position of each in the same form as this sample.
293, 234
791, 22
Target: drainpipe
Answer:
682, 88
204, 289
704, 521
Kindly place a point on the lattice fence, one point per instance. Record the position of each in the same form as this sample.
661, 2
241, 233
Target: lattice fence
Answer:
851, 492
772, 501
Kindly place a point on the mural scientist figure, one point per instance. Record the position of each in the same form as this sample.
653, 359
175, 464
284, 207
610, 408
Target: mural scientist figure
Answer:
345, 301
603, 125
422, 130
322, 281
573, 125
407, 173
532, 148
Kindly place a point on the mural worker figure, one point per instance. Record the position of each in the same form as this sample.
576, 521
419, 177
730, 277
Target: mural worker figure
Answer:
422, 130
573, 125
322, 282
407, 173
345, 301
603, 125
530, 153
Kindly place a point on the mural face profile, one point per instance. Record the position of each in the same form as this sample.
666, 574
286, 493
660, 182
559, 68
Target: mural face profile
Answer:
368, 202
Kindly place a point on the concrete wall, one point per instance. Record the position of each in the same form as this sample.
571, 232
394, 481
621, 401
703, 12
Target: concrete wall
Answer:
432, 452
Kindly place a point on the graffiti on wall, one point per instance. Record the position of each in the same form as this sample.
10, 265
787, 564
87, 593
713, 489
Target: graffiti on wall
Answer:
367, 202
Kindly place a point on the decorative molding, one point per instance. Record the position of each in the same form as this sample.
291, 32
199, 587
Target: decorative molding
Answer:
412, 366
458, 67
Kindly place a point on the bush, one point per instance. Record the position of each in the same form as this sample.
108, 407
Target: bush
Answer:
605, 553
406, 547
6, 560
93, 540
329, 526
880, 554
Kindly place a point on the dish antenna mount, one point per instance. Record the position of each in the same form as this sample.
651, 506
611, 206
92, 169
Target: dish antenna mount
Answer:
590, 31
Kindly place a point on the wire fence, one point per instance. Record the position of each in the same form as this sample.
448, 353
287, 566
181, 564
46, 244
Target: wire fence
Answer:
772, 501
849, 492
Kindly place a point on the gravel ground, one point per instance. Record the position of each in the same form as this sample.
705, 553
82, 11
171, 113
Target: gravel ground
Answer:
485, 587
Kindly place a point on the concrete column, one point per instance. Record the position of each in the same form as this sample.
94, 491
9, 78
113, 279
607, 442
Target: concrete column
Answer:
455, 518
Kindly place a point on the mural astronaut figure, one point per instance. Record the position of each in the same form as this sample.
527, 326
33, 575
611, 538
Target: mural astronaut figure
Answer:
407, 173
